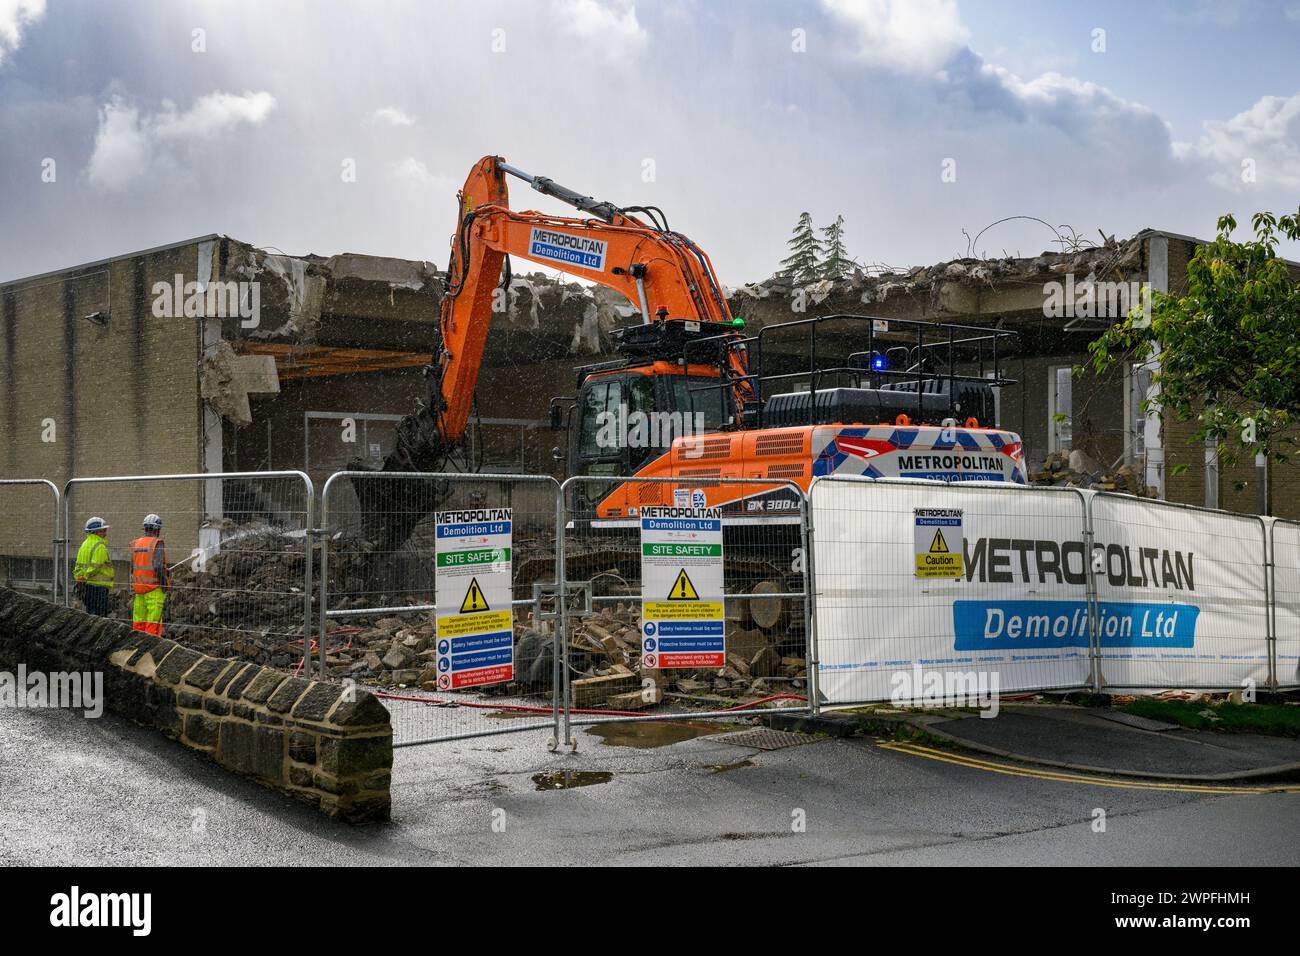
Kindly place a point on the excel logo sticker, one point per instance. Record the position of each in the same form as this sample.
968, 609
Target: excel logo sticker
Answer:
939, 542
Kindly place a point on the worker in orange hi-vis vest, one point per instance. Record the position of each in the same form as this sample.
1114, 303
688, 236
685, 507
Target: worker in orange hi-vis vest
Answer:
150, 578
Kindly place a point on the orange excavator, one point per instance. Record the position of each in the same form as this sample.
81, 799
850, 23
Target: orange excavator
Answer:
667, 275
909, 399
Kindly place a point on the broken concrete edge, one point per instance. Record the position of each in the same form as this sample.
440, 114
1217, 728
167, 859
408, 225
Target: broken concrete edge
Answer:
849, 724
325, 744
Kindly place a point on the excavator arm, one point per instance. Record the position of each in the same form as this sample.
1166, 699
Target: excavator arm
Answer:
662, 272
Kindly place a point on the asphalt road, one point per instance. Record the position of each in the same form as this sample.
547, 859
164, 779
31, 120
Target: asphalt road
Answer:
79, 792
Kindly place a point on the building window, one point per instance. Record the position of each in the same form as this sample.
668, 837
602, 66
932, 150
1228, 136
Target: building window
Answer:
997, 402
1060, 407
1137, 383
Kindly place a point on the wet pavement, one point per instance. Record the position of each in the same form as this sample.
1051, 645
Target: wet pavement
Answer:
1106, 739
81, 792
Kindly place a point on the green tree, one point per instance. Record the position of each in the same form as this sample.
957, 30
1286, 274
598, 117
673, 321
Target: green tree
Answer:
804, 262
836, 261
1229, 350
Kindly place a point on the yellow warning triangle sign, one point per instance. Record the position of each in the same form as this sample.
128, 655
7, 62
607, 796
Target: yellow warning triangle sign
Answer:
474, 599
938, 545
683, 589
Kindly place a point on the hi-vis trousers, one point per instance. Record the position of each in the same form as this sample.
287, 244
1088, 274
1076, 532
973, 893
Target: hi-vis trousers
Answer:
147, 611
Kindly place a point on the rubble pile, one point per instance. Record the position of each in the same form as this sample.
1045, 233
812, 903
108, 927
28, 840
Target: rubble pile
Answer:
1111, 260
246, 602
1074, 469
609, 645
605, 659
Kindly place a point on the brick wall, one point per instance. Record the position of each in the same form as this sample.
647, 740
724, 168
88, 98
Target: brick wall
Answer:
81, 398
322, 743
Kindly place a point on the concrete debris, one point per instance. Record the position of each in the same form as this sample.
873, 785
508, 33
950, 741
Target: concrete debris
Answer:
1076, 470
769, 300
226, 379
394, 273
304, 292
246, 603
605, 659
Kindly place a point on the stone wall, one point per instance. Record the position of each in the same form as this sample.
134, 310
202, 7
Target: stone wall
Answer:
304, 738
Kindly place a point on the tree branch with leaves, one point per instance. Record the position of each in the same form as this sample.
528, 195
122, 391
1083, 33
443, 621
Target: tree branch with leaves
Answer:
1229, 349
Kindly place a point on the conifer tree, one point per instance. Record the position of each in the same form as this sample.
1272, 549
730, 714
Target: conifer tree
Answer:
836, 261
804, 262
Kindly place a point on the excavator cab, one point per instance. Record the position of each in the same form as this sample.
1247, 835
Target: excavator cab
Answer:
626, 416
670, 383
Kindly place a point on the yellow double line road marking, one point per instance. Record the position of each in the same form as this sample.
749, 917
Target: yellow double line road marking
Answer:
1068, 776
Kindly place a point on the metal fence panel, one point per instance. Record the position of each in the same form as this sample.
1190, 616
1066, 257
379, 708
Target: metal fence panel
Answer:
1014, 615
769, 640
1285, 551
1182, 595
379, 608
29, 535
237, 545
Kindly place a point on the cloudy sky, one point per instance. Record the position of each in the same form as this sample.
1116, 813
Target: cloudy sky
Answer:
335, 126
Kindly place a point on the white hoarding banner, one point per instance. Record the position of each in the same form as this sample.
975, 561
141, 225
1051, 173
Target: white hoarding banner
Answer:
879, 622
1180, 600
1286, 590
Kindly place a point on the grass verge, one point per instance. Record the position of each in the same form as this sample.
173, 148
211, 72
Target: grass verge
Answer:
1277, 720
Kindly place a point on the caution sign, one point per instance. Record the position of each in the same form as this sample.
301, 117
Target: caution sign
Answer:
472, 576
682, 605
939, 543
683, 589
474, 600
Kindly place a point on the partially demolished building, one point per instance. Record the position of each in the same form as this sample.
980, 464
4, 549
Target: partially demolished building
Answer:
213, 355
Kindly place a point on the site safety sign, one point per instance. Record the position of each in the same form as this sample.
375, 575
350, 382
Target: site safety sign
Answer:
472, 576
682, 604
939, 542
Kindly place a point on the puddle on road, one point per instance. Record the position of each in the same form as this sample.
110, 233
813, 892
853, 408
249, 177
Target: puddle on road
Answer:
724, 767
568, 779
647, 734
517, 715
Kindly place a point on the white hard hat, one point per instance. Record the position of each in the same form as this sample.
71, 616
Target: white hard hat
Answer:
97, 524
151, 520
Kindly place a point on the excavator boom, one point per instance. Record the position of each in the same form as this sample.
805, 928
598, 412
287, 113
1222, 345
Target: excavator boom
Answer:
665, 274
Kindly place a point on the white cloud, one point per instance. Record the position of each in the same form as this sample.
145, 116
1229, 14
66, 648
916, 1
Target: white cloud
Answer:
213, 114
15, 16
415, 172
610, 23
1070, 102
907, 36
121, 146
927, 38
1268, 134
394, 116
129, 144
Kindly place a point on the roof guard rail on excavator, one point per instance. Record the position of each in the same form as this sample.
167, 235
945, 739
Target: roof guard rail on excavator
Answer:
918, 372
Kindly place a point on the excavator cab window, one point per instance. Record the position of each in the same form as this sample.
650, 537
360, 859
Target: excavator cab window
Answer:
598, 398
626, 420
689, 396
